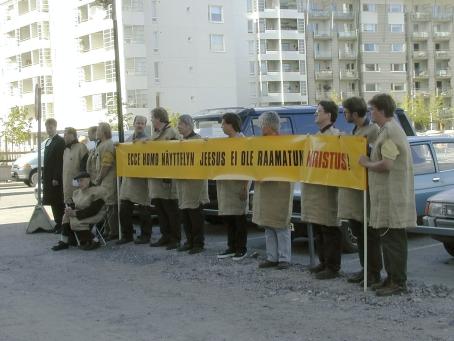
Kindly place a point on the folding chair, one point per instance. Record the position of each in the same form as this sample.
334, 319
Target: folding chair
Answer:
98, 229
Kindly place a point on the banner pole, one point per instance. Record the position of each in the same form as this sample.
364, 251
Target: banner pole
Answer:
365, 238
118, 210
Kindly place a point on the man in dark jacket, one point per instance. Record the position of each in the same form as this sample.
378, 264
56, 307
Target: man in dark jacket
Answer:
52, 173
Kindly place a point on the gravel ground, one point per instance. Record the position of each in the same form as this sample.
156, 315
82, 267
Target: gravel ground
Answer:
139, 293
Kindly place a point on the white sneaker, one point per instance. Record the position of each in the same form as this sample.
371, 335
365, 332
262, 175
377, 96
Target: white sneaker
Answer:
226, 254
239, 256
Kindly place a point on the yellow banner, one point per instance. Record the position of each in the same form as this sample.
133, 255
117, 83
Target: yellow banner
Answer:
317, 159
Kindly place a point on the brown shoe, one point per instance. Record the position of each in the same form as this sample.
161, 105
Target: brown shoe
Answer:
317, 269
283, 265
357, 277
327, 274
371, 280
267, 264
380, 285
392, 289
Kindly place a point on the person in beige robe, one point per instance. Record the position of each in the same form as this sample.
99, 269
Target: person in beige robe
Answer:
91, 156
350, 201
392, 196
319, 206
233, 200
163, 192
272, 207
192, 195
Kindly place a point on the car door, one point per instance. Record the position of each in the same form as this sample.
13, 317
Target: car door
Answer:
425, 174
444, 157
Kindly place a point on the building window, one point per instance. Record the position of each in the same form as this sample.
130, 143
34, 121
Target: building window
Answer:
250, 26
369, 8
215, 14
397, 87
252, 68
396, 8
136, 66
371, 87
371, 68
156, 71
134, 34
253, 90
154, 10
398, 47
249, 6
155, 41
133, 5
370, 47
398, 68
217, 43
137, 98
370, 28
396, 28
251, 47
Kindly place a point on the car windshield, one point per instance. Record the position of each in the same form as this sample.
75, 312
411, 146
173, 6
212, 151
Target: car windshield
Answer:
209, 128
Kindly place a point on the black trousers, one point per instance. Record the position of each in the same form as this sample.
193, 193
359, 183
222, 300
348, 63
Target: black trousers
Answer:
329, 246
374, 259
169, 219
126, 220
395, 253
193, 224
57, 211
236, 232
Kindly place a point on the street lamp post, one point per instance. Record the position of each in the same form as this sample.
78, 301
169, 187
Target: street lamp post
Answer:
105, 4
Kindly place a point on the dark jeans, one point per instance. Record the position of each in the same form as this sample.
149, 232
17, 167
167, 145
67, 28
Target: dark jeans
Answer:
236, 232
193, 221
57, 211
329, 246
126, 214
395, 252
169, 219
374, 259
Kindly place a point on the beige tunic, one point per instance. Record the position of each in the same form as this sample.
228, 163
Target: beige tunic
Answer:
192, 193
392, 193
105, 156
350, 201
91, 164
72, 158
272, 204
82, 199
163, 188
319, 202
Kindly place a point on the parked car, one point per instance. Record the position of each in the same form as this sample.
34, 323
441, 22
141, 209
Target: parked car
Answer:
440, 213
294, 120
25, 168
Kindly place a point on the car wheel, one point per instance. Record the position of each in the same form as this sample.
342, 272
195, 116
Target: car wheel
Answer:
449, 246
349, 241
32, 179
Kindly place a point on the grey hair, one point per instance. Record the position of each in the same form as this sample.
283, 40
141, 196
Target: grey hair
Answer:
270, 119
186, 119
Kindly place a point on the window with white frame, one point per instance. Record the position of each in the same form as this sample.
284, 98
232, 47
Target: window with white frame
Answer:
137, 98
396, 28
252, 68
369, 8
396, 8
217, 43
370, 28
371, 87
251, 47
133, 5
398, 67
215, 14
136, 66
155, 41
397, 86
250, 26
370, 47
156, 71
154, 10
398, 47
134, 34
249, 6
371, 67
253, 89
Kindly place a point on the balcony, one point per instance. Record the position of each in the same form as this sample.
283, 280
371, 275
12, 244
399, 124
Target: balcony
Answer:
339, 15
442, 54
348, 75
444, 92
420, 16
323, 75
322, 35
419, 54
323, 56
320, 95
347, 35
442, 17
443, 73
347, 55
420, 35
347, 94
442, 35
421, 74
422, 92
320, 14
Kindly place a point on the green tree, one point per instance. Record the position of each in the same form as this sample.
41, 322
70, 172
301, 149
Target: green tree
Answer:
17, 126
173, 117
423, 110
335, 97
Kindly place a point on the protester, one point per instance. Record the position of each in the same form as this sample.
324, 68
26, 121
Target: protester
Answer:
72, 162
272, 207
135, 191
163, 191
52, 173
91, 156
233, 201
86, 209
319, 206
106, 177
390, 170
192, 195
350, 202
